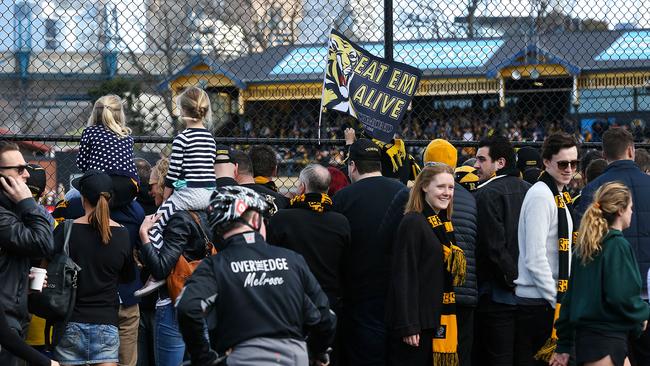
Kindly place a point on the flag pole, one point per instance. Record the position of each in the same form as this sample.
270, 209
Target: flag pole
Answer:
322, 92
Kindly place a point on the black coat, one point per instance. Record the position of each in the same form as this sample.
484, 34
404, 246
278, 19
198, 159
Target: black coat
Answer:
498, 204
25, 233
251, 289
464, 220
414, 301
182, 236
320, 238
364, 204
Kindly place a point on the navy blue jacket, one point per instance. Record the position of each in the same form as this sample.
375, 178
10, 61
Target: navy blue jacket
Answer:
638, 234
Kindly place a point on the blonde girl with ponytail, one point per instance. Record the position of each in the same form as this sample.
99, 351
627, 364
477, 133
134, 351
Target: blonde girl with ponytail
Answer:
603, 305
101, 247
106, 142
190, 179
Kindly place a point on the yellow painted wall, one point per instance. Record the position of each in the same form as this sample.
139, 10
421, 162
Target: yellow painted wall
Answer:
544, 70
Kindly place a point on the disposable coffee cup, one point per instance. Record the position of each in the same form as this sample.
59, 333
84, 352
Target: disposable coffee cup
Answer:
36, 283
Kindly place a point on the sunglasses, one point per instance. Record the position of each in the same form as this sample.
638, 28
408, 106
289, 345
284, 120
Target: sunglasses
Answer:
563, 164
19, 168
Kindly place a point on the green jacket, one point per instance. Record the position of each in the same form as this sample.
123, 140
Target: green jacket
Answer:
604, 294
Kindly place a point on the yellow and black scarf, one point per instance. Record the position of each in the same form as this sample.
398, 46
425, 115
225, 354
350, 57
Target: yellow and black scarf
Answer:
266, 182
562, 200
319, 202
445, 338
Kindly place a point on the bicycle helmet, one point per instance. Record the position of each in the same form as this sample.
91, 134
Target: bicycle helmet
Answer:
228, 205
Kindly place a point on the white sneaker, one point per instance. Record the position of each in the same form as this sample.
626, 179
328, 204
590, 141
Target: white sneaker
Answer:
150, 286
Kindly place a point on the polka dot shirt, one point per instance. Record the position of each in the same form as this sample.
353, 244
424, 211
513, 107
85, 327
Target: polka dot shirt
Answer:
102, 149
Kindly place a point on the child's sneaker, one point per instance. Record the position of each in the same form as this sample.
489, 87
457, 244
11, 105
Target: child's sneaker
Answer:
150, 286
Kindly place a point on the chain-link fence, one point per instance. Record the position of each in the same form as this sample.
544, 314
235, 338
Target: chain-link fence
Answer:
521, 68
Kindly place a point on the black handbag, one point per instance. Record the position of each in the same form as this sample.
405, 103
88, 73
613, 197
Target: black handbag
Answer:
56, 302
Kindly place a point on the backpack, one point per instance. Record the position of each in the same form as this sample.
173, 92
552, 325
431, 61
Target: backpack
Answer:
56, 302
184, 268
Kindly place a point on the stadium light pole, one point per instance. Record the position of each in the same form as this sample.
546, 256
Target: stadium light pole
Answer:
388, 30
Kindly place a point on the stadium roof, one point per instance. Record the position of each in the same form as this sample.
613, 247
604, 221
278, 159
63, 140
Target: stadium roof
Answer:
578, 52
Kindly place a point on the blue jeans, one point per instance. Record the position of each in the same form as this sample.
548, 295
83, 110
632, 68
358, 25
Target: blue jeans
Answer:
85, 343
170, 348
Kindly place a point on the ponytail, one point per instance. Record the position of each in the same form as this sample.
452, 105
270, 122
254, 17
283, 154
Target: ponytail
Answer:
593, 228
195, 105
608, 200
100, 218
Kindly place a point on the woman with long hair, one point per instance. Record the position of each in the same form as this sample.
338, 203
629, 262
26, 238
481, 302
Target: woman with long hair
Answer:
101, 247
426, 266
603, 305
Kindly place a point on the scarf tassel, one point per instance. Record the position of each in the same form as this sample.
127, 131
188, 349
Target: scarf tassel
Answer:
445, 359
457, 265
546, 352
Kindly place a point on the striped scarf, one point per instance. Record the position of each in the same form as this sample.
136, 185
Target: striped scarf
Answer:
319, 202
445, 338
562, 201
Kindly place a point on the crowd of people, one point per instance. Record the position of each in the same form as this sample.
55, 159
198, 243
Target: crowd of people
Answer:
495, 257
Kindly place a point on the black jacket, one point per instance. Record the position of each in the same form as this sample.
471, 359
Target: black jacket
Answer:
254, 290
278, 199
320, 238
182, 236
364, 204
498, 203
414, 301
25, 233
464, 220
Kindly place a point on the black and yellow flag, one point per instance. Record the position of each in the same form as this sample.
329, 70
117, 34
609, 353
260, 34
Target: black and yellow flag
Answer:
371, 89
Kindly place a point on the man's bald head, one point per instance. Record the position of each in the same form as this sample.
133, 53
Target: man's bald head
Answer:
316, 178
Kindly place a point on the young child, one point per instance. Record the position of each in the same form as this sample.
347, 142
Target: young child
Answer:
190, 179
106, 144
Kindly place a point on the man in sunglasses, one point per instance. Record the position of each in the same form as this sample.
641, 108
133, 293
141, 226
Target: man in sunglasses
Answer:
618, 150
545, 235
25, 233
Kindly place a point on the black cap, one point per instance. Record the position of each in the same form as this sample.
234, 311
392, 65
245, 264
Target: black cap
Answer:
223, 150
364, 150
92, 184
528, 157
37, 179
531, 175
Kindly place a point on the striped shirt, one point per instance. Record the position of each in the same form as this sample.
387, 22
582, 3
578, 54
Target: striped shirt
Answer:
192, 159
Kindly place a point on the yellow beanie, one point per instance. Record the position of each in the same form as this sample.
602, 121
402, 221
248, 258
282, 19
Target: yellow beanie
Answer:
441, 151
